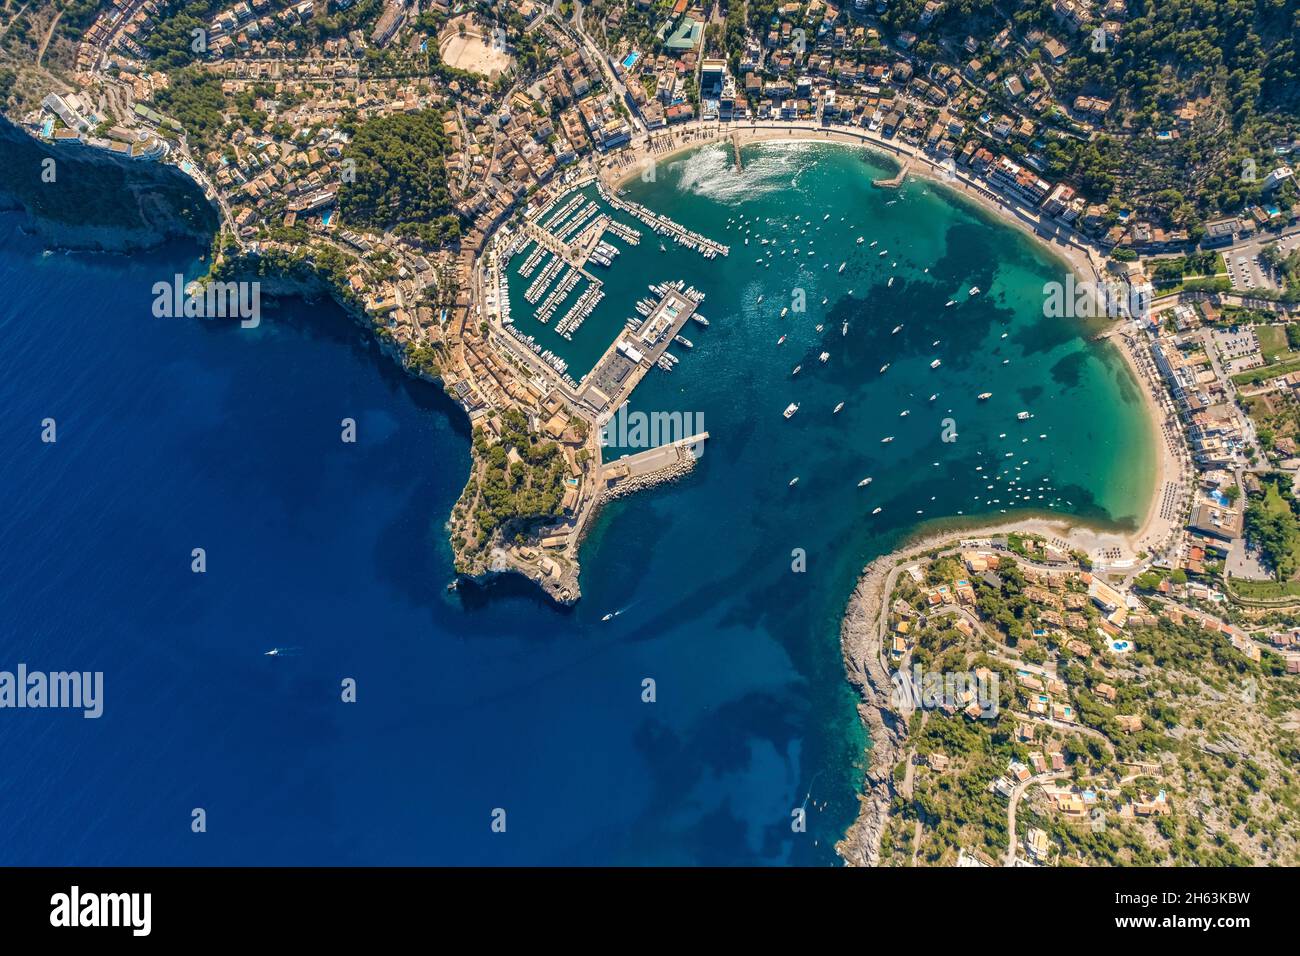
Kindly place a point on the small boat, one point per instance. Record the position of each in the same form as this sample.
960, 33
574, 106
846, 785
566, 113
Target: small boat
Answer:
1022, 416
820, 327
949, 304
897, 329
1004, 335
904, 413
842, 265
784, 310
934, 396
844, 329
781, 340
796, 371
823, 357
873, 243
883, 367
935, 364
864, 482
760, 301
975, 290
887, 439
273, 652
608, 617
662, 247
890, 282
984, 396
838, 408
860, 241
794, 481
876, 511
791, 409
884, 253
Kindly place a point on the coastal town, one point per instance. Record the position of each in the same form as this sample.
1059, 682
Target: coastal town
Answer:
415, 160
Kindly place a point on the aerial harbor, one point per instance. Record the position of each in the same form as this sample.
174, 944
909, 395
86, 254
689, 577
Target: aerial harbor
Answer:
796, 434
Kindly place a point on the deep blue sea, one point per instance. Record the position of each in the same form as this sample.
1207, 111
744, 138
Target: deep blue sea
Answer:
175, 434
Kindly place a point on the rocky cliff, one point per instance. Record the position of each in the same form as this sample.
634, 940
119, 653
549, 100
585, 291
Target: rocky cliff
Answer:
77, 197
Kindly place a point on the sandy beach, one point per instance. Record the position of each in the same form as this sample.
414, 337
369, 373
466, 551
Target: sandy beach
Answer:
1108, 549
1058, 239
1119, 552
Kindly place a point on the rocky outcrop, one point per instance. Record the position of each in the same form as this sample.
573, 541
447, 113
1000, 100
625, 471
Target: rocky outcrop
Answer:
628, 486
76, 197
860, 644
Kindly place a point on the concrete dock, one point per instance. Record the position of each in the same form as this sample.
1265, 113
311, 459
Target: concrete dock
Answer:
652, 459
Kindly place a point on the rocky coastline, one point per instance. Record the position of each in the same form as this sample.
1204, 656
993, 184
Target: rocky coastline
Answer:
860, 644
862, 635
81, 199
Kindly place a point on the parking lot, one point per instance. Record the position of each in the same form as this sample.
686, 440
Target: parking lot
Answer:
1246, 271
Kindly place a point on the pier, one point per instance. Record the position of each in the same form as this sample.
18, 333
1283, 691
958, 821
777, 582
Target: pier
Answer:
573, 255
665, 226
632, 354
895, 181
735, 147
652, 459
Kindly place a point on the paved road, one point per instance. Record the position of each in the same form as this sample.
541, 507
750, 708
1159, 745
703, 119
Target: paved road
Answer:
1012, 842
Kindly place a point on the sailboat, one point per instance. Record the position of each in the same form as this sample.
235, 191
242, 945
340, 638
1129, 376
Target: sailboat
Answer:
837, 408
864, 482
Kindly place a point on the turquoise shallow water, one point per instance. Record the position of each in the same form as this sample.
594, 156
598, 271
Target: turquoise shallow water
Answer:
175, 434
719, 544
